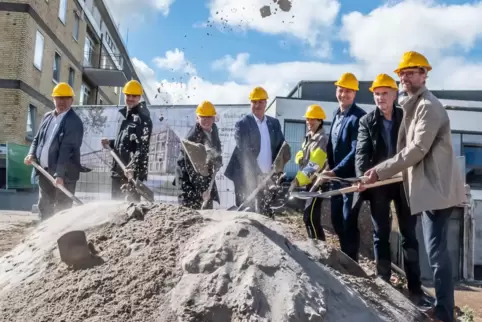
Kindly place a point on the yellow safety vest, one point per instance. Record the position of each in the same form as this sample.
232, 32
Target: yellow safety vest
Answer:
312, 156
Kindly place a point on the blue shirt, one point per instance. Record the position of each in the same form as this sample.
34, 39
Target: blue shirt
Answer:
337, 125
387, 136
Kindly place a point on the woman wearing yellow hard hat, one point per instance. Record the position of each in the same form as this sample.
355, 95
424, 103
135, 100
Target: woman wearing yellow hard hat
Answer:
311, 159
196, 188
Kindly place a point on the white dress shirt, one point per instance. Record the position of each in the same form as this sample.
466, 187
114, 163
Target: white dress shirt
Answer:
52, 129
265, 158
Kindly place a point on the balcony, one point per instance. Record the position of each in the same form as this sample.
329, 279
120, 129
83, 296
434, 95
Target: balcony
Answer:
103, 69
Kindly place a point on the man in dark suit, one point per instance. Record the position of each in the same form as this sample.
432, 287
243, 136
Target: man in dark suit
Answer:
377, 142
258, 141
341, 160
56, 147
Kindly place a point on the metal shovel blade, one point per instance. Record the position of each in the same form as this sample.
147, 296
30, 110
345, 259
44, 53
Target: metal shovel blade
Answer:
73, 248
144, 191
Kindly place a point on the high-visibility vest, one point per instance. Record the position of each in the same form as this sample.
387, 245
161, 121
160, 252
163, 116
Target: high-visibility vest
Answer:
311, 157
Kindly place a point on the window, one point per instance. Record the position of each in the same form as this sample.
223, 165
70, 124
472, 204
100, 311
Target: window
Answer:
75, 31
84, 94
62, 10
294, 133
88, 51
71, 77
31, 119
39, 50
56, 69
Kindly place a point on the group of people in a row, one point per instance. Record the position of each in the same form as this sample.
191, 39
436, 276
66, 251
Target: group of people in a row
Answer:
412, 138
407, 134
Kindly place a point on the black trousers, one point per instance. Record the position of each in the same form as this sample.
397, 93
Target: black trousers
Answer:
312, 219
52, 200
117, 194
380, 199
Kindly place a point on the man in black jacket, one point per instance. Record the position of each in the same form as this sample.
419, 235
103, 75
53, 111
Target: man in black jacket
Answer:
56, 148
377, 140
131, 143
192, 184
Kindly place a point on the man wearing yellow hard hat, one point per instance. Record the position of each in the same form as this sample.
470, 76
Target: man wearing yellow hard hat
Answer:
432, 177
258, 140
131, 143
310, 159
377, 142
341, 160
192, 184
56, 148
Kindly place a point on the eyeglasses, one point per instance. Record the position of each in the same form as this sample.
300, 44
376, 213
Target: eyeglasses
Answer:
408, 73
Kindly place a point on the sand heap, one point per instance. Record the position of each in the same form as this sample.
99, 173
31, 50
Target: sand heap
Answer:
173, 264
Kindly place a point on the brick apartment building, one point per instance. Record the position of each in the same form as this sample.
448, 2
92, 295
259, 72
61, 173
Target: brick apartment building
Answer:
43, 42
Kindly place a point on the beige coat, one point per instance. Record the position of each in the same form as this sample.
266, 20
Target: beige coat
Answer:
431, 176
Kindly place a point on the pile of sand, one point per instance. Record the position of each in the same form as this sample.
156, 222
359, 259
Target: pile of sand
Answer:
174, 264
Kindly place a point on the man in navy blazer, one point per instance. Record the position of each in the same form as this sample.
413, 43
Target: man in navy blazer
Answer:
341, 160
56, 147
258, 140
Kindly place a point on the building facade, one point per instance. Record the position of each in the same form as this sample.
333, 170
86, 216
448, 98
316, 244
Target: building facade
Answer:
44, 42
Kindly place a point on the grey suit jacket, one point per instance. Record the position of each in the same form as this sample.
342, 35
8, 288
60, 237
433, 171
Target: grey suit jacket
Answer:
64, 151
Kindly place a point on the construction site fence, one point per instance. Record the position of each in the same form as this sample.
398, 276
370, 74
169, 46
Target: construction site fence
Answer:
170, 125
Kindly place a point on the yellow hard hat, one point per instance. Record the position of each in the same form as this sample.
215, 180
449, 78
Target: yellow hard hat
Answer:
383, 80
348, 80
63, 90
412, 59
133, 87
258, 94
315, 111
206, 108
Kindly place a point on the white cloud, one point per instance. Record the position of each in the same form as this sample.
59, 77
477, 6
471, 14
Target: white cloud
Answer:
175, 61
425, 26
127, 11
309, 20
376, 42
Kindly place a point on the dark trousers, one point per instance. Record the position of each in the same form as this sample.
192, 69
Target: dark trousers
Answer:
345, 222
117, 193
52, 200
312, 219
435, 232
380, 199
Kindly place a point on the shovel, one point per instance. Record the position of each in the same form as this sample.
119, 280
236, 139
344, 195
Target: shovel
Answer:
328, 194
61, 187
279, 162
140, 187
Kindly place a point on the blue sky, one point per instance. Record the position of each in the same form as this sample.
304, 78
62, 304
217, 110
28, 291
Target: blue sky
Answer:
367, 37
180, 29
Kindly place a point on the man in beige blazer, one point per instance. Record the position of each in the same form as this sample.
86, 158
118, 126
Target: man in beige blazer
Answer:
431, 176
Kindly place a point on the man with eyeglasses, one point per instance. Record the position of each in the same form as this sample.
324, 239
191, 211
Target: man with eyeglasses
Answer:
431, 177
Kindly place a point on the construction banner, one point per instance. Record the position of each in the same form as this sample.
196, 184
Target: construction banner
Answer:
18, 174
170, 125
